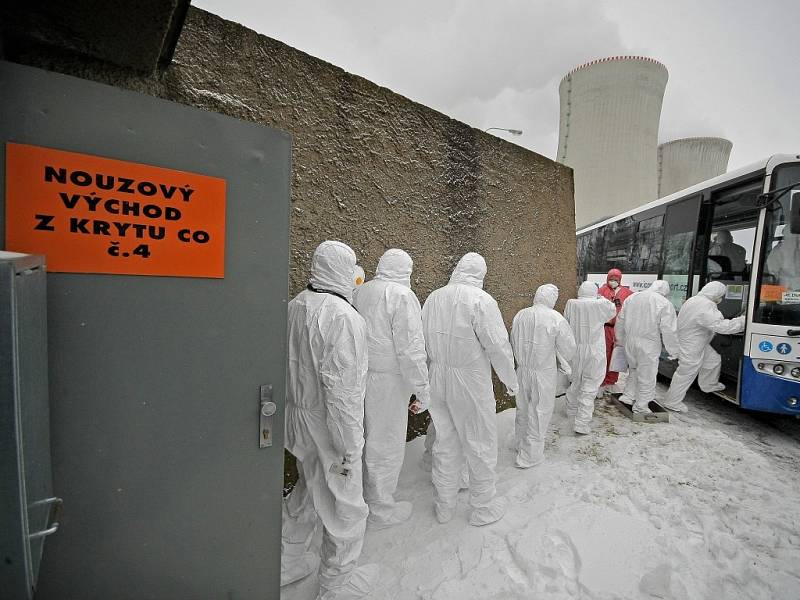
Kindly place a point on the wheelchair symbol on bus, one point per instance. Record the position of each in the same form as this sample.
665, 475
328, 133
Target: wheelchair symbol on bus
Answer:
765, 346
784, 348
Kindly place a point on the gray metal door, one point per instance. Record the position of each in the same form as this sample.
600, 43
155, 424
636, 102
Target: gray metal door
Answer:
156, 382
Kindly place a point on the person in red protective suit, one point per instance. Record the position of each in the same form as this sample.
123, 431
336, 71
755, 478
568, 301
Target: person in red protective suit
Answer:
612, 290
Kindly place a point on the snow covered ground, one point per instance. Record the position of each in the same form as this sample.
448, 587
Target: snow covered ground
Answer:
706, 507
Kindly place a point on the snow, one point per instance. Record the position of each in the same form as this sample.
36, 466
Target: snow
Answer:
703, 507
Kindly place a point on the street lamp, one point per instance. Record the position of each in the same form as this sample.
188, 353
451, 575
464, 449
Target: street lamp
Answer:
511, 131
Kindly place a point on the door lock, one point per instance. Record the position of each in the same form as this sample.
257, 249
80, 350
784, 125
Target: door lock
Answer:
266, 411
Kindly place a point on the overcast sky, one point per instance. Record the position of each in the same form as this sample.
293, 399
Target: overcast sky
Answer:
734, 65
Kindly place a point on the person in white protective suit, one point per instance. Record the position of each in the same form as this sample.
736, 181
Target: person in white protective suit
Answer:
646, 319
587, 315
541, 339
327, 374
465, 337
397, 369
698, 321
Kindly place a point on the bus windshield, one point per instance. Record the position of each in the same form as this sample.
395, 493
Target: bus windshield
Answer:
778, 301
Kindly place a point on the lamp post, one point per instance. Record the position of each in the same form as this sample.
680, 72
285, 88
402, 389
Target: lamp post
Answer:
511, 131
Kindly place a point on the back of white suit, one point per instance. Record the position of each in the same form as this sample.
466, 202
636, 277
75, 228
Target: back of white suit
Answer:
586, 316
397, 369
539, 334
645, 320
465, 336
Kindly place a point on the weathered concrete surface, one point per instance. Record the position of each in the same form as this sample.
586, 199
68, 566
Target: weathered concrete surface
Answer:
372, 168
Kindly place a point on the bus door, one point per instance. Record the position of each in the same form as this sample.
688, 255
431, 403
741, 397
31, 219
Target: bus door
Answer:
725, 252
680, 233
771, 368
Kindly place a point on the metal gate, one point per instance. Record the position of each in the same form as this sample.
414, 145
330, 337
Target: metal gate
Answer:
160, 452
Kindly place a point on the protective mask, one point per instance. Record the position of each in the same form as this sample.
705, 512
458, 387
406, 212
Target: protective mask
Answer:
613, 284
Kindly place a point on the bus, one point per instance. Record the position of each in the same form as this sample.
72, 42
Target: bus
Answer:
742, 229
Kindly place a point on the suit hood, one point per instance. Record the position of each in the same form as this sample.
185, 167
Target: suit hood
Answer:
333, 269
395, 265
546, 295
587, 290
470, 270
659, 286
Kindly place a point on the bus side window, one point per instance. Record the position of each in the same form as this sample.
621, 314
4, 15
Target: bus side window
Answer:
730, 249
596, 247
680, 228
733, 234
649, 236
620, 244
583, 247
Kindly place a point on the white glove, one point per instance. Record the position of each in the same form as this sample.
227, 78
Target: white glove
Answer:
345, 468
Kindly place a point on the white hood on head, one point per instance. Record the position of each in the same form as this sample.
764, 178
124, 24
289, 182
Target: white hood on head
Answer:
470, 270
395, 265
587, 289
714, 290
546, 295
659, 286
333, 267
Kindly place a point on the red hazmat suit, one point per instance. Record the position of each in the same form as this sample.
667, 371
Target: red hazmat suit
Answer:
617, 296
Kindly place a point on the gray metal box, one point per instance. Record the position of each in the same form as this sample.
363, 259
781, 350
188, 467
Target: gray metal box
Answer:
659, 414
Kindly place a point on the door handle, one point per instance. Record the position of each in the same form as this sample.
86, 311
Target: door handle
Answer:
46, 501
44, 532
793, 332
267, 409
54, 527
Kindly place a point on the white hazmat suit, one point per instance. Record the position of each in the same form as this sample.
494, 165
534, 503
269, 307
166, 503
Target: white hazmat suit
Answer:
645, 320
397, 368
698, 321
327, 374
587, 315
466, 337
540, 338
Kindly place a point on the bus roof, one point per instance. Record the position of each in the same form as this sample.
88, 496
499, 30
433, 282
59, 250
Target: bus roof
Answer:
713, 182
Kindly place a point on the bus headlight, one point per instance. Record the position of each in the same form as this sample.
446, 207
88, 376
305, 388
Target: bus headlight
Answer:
792, 401
796, 372
778, 369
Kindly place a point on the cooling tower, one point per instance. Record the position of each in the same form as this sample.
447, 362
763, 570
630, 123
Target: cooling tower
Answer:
684, 162
608, 133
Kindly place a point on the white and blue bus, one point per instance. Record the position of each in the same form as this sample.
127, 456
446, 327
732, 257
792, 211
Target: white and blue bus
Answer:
742, 229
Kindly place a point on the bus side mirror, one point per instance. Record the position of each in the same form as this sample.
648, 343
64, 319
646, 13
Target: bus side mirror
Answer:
794, 212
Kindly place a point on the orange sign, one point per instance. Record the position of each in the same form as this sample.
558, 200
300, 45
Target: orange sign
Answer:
90, 214
771, 293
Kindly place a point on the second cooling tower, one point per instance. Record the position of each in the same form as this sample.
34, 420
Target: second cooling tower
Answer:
684, 162
608, 133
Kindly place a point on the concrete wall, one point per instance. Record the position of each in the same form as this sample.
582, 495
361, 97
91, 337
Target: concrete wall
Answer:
608, 133
371, 167
687, 161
